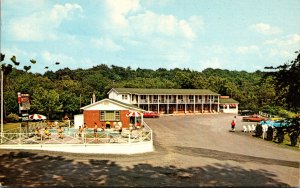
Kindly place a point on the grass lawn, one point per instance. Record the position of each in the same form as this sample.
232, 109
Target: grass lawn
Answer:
9, 126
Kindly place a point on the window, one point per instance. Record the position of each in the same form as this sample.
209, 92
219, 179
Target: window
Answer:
180, 97
124, 97
110, 116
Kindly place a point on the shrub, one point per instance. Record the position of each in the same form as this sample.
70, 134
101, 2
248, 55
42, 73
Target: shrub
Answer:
12, 118
258, 130
286, 114
294, 139
280, 135
270, 133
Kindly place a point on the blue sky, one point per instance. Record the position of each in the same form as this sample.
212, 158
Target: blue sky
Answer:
196, 34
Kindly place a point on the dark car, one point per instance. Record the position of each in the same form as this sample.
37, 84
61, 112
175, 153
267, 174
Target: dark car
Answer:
150, 114
246, 112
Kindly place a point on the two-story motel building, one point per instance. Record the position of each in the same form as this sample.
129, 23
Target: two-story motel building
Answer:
168, 101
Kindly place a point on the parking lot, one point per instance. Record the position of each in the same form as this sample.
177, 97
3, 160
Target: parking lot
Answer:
191, 150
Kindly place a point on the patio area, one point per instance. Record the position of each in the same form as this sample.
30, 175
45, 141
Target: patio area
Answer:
106, 141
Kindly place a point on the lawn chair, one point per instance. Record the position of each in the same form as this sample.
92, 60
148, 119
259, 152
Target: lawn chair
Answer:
245, 128
265, 128
253, 127
249, 128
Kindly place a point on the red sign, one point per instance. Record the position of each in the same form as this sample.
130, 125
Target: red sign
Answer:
19, 98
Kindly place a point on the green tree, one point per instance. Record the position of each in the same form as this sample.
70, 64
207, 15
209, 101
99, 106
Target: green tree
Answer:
45, 101
287, 83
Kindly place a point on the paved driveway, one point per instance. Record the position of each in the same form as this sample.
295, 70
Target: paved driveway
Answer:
194, 150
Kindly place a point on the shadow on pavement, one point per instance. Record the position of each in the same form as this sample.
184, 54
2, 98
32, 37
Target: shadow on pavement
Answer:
222, 155
36, 170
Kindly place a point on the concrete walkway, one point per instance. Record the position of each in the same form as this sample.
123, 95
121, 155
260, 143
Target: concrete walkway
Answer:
193, 150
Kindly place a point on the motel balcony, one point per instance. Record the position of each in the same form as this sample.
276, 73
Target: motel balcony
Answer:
173, 101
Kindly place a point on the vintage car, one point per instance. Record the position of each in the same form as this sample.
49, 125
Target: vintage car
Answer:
151, 114
255, 118
246, 112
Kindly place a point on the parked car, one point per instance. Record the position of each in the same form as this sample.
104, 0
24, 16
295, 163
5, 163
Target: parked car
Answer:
246, 112
151, 114
255, 118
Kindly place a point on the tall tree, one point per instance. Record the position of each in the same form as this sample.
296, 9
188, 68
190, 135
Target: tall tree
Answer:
287, 83
46, 101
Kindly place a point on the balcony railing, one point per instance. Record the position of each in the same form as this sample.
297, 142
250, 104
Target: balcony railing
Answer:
180, 101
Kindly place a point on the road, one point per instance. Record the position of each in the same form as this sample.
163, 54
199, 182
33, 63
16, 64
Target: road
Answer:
192, 150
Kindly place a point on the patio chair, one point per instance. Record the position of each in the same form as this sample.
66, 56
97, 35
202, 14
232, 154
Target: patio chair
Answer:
265, 128
245, 128
249, 128
253, 127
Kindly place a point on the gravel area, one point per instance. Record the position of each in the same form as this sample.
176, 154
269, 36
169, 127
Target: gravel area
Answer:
191, 150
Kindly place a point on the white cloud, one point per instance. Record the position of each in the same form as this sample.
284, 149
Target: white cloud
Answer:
19, 53
41, 26
130, 19
280, 53
106, 44
150, 23
52, 58
118, 9
265, 29
285, 41
61, 12
246, 49
283, 47
212, 63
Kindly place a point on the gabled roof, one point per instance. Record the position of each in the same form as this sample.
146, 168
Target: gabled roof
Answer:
142, 91
125, 105
228, 100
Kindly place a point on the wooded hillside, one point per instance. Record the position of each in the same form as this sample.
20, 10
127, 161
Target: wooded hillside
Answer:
65, 91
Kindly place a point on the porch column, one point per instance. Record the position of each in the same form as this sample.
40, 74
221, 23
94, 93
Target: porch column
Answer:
218, 103
158, 103
202, 104
176, 103
168, 101
139, 98
210, 104
194, 103
148, 101
185, 101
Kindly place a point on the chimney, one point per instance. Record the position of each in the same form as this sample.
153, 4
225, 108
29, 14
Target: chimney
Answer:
94, 98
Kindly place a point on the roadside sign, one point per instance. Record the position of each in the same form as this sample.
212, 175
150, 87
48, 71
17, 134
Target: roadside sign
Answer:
25, 117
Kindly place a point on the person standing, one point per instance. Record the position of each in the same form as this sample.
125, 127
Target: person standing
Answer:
95, 132
233, 125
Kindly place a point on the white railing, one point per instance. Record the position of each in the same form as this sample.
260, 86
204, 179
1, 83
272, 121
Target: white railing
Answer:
143, 134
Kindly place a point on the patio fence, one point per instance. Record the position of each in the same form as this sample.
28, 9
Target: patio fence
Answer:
26, 136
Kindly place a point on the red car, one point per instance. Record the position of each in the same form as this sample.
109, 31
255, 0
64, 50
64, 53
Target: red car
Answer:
255, 118
151, 114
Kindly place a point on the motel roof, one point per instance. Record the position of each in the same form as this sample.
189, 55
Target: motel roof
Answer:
142, 91
125, 105
228, 100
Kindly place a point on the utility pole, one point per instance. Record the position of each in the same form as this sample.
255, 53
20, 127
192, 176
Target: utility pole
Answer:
2, 105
